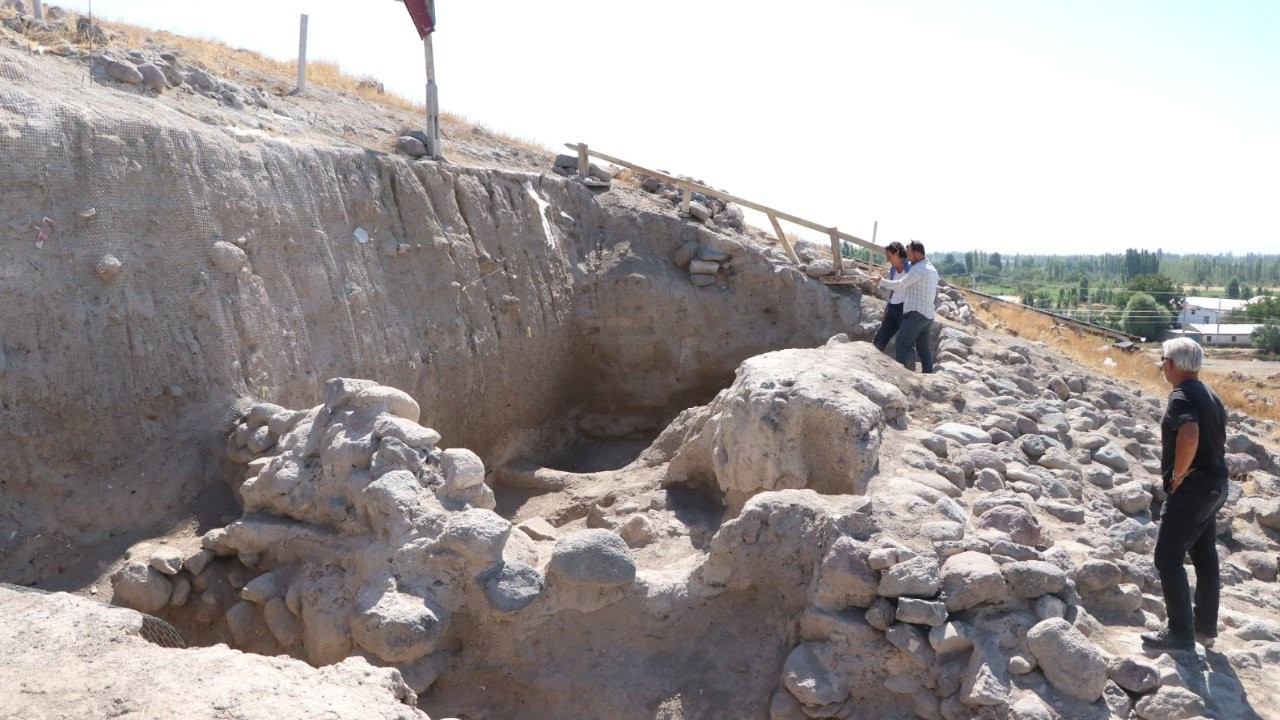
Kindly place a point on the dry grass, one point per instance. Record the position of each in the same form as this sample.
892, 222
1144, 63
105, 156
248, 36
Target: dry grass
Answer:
278, 76
1128, 369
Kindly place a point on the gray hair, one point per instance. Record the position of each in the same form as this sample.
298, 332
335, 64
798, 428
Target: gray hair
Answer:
1184, 353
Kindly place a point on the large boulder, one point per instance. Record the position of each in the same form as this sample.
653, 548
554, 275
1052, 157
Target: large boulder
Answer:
1073, 665
970, 579
794, 419
592, 558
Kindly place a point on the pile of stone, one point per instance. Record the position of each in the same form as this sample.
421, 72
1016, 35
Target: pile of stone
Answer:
703, 208
596, 177
361, 537
707, 264
160, 71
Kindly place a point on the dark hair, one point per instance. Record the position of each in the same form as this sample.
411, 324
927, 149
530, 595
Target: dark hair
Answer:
916, 246
895, 248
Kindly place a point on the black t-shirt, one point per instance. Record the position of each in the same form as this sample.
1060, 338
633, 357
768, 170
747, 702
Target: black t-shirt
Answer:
1193, 401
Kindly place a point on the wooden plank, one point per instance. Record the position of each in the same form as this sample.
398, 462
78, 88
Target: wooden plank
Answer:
688, 198
837, 258
712, 192
782, 238
584, 162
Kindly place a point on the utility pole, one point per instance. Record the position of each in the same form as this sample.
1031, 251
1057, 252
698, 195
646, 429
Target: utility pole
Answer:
302, 56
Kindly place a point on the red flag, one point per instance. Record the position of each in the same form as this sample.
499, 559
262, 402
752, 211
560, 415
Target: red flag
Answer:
422, 19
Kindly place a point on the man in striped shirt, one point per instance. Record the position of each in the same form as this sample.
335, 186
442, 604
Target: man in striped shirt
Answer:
919, 289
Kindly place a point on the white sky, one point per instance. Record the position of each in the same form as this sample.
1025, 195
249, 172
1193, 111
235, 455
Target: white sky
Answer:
1057, 126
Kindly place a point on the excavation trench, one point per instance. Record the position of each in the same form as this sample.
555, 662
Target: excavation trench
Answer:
545, 327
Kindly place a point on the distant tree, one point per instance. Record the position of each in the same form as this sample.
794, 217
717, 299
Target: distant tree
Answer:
1160, 287
1267, 338
995, 260
1145, 317
1233, 289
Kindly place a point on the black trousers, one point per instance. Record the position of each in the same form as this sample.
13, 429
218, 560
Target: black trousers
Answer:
889, 326
1188, 525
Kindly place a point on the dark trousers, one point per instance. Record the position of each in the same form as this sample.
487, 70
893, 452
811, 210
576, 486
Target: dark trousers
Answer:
892, 321
914, 333
1187, 524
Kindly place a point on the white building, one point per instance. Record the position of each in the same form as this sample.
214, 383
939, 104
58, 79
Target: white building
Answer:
1207, 311
1228, 335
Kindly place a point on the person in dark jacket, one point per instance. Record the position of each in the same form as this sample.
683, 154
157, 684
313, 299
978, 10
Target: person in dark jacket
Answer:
1194, 467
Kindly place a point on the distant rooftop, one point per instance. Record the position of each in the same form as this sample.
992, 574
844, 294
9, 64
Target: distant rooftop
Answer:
1225, 329
1209, 303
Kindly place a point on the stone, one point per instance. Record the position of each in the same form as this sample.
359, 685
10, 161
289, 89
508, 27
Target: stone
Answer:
181, 592
1170, 703
988, 480
107, 266
1134, 673
921, 612
1029, 707
539, 529
963, 434
197, 561
918, 577
699, 211
152, 77
166, 559
1072, 664
262, 588
912, 642
479, 536
1112, 457
845, 577
1097, 574
422, 438
592, 558
685, 254
1018, 523
139, 586
1130, 498
1033, 446
986, 680
123, 72
703, 267
881, 614
637, 530
1033, 578
395, 626
411, 146
513, 587
1050, 606
805, 677
227, 257
382, 398
245, 624
281, 622
970, 579
951, 637
462, 468
1117, 700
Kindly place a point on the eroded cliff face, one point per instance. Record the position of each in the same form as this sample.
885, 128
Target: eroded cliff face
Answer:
190, 273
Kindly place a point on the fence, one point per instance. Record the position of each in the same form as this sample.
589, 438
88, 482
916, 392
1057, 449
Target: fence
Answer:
689, 187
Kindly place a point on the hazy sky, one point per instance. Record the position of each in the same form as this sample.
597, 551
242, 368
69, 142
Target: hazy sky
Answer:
1036, 127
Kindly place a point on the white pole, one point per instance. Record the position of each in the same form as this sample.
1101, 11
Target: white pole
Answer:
37, 10
433, 101
302, 56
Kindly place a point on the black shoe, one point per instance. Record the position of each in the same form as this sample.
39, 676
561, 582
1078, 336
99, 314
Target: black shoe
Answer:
1168, 640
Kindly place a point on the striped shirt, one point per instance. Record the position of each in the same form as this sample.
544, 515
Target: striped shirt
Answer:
919, 288
896, 297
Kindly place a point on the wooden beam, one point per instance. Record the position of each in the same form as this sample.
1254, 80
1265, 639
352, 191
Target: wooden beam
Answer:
712, 192
584, 162
837, 258
688, 198
782, 238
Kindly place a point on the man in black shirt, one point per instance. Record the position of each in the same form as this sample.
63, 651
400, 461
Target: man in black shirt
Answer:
1194, 467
